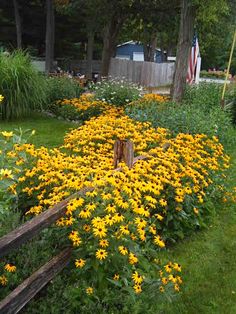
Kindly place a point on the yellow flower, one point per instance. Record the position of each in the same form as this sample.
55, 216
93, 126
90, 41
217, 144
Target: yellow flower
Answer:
137, 278
89, 290
116, 277
196, 211
100, 232
159, 241
79, 263
133, 259
176, 287
177, 267
7, 134
162, 289
164, 280
103, 243
1, 98
123, 250
10, 268
137, 288
5, 173
3, 280
101, 254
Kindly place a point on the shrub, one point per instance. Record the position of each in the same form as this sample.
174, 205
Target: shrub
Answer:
22, 86
80, 109
61, 88
203, 96
115, 92
200, 112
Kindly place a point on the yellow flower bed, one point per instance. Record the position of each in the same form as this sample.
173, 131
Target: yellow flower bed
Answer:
114, 226
155, 97
85, 102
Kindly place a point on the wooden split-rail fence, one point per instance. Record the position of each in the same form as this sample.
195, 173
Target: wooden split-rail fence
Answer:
18, 298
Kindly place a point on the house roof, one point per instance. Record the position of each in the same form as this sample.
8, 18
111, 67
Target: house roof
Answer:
132, 42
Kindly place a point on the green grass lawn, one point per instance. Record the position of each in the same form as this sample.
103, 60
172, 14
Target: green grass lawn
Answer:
207, 257
49, 131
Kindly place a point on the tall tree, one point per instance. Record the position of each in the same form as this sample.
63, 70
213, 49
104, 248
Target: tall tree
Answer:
18, 24
186, 31
192, 11
50, 36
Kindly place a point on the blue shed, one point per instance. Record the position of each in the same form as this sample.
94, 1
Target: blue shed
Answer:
132, 50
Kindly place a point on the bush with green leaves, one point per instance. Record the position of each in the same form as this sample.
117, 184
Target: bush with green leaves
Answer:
204, 96
21, 85
118, 93
62, 88
185, 118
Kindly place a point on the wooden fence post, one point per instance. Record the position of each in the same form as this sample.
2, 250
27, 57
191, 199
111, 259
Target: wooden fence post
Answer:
123, 150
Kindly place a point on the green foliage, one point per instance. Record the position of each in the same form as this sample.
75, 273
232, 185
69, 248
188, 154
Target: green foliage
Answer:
21, 85
204, 96
61, 88
214, 75
199, 113
9, 169
231, 101
70, 112
118, 93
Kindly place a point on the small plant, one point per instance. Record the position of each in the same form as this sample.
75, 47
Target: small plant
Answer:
61, 88
22, 86
118, 93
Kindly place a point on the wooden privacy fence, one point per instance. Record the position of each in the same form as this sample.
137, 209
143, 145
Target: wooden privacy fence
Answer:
18, 298
148, 74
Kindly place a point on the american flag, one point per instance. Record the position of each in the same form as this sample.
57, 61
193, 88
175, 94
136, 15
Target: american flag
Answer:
193, 60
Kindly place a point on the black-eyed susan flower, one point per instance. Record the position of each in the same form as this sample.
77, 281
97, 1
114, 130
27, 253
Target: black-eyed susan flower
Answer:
123, 250
104, 243
133, 259
89, 290
79, 263
137, 278
3, 280
101, 254
137, 288
10, 268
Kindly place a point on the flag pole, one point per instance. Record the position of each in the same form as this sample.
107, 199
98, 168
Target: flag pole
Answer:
228, 68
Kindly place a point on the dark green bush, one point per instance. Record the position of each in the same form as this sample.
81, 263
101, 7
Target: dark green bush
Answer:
21, 85
62, 88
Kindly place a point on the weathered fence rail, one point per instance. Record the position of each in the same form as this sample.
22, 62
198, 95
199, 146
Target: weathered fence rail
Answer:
19, 297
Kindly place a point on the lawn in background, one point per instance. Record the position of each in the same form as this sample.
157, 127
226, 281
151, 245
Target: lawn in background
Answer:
49, 131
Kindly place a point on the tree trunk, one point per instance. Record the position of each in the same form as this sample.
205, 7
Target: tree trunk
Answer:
183, 50
110, 35
50, 36
90, 54
149, 48
18, 24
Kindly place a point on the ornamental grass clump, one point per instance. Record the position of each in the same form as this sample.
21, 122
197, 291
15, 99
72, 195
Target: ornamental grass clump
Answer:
126, 217
23, 87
